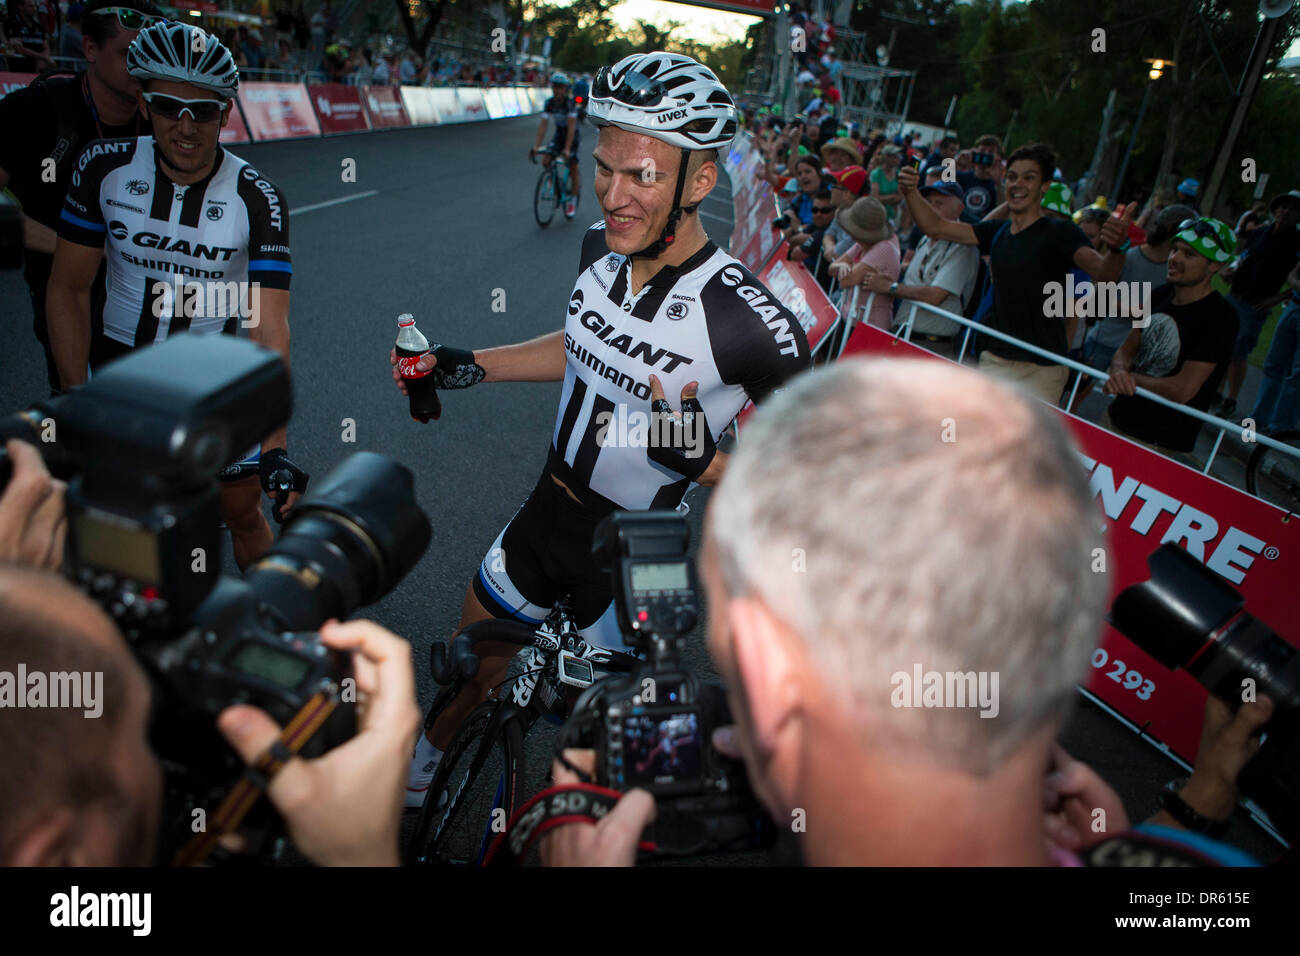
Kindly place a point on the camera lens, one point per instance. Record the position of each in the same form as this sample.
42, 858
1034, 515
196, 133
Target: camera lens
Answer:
345, 545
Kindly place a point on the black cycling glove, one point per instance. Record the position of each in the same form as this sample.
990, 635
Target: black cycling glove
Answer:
456, 368
279, 477
682, 443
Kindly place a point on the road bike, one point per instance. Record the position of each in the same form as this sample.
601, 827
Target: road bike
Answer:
552, 190
480, 781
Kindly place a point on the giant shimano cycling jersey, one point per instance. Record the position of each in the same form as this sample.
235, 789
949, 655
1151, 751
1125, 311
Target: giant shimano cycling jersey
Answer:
230, 227
707, 320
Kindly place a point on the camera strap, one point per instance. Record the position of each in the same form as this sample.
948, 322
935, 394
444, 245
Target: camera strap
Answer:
245, 793
554, 807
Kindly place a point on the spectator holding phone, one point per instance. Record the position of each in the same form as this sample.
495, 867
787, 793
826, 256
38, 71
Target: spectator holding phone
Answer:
884, 181
982, 182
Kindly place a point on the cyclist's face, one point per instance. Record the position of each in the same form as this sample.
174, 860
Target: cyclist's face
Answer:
188, 146
636, 177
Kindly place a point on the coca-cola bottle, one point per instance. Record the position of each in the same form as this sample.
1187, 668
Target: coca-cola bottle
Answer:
411, 345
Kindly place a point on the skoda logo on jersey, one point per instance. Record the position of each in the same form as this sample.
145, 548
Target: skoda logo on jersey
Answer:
677, 311
137, 187
214, 213
611, 264
732, 276
117, 229
576, 302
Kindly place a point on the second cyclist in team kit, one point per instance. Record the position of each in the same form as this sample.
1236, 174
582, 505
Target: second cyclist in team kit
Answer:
660, 322
566, 113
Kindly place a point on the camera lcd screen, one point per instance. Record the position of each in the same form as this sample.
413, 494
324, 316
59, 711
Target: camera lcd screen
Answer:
125, 551
258, 660
661, 748
659, 577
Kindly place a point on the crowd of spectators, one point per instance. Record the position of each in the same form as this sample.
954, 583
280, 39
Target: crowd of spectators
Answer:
984, 235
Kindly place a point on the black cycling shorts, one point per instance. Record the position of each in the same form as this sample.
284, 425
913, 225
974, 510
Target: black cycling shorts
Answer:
561, 136
543, 552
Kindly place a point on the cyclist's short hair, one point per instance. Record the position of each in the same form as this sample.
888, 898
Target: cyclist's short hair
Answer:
959, 552
101, 29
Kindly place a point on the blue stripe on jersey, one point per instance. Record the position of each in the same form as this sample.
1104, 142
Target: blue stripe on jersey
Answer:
518, 615
84, 224
269, 265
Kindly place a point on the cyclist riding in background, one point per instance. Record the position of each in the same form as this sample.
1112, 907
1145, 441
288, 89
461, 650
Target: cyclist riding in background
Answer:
581, 94
657, 310
195, 238
561, 109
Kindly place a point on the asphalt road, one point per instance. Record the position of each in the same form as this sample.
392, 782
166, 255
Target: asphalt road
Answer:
439, 223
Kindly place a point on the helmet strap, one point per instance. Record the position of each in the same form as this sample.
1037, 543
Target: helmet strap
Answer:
657, 248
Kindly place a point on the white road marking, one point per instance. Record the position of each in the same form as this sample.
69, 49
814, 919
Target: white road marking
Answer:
334, 202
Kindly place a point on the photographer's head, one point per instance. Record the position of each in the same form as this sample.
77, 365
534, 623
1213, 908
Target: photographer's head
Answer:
839, 558
82, 787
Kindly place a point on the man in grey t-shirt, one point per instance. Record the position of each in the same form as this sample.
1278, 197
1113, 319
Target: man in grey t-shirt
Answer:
1144, 263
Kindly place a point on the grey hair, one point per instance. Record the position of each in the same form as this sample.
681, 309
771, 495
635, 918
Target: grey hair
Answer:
897, 513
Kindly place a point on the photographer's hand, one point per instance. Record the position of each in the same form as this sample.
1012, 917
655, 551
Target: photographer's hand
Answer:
1072, 793
344, 808
33, 522
1228, 741
611, 842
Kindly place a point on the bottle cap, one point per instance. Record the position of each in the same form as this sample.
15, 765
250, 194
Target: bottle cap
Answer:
405, 319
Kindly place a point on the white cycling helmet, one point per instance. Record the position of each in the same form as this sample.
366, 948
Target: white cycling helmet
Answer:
668, 96
184, 54
560, 79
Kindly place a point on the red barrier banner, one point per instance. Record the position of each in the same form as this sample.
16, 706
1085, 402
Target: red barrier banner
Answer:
236, 130
1147, 500
384, 106
14, 81
339, 107
278, 110
795, 288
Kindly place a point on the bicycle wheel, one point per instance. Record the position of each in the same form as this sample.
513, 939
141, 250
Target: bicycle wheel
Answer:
1274, 476
480, 775
546, 197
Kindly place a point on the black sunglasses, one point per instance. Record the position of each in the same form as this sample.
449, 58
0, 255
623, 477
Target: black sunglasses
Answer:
817, 209
173, 107
1203, 229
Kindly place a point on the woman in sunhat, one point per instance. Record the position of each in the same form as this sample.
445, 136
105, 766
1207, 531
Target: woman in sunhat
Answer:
875, 251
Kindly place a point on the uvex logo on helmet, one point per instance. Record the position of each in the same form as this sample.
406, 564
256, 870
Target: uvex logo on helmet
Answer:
670, 116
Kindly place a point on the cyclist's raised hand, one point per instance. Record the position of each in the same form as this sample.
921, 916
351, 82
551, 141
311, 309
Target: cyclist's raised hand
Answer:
344, 808
611, 842
690, 450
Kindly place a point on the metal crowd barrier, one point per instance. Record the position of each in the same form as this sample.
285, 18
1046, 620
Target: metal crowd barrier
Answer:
850, 312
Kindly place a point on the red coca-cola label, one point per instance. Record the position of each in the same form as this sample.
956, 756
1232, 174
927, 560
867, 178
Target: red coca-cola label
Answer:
407, 367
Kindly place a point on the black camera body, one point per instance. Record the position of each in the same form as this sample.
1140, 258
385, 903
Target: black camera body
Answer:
653, 728
142, 445
782, 221
1186, 616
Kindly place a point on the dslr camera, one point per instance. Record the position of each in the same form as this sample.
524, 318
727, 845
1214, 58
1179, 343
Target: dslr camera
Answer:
141, 446
1186, 616
653, 728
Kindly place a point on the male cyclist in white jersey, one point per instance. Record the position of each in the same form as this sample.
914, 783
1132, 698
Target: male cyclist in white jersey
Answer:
564, 112
195, 239
657, 310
